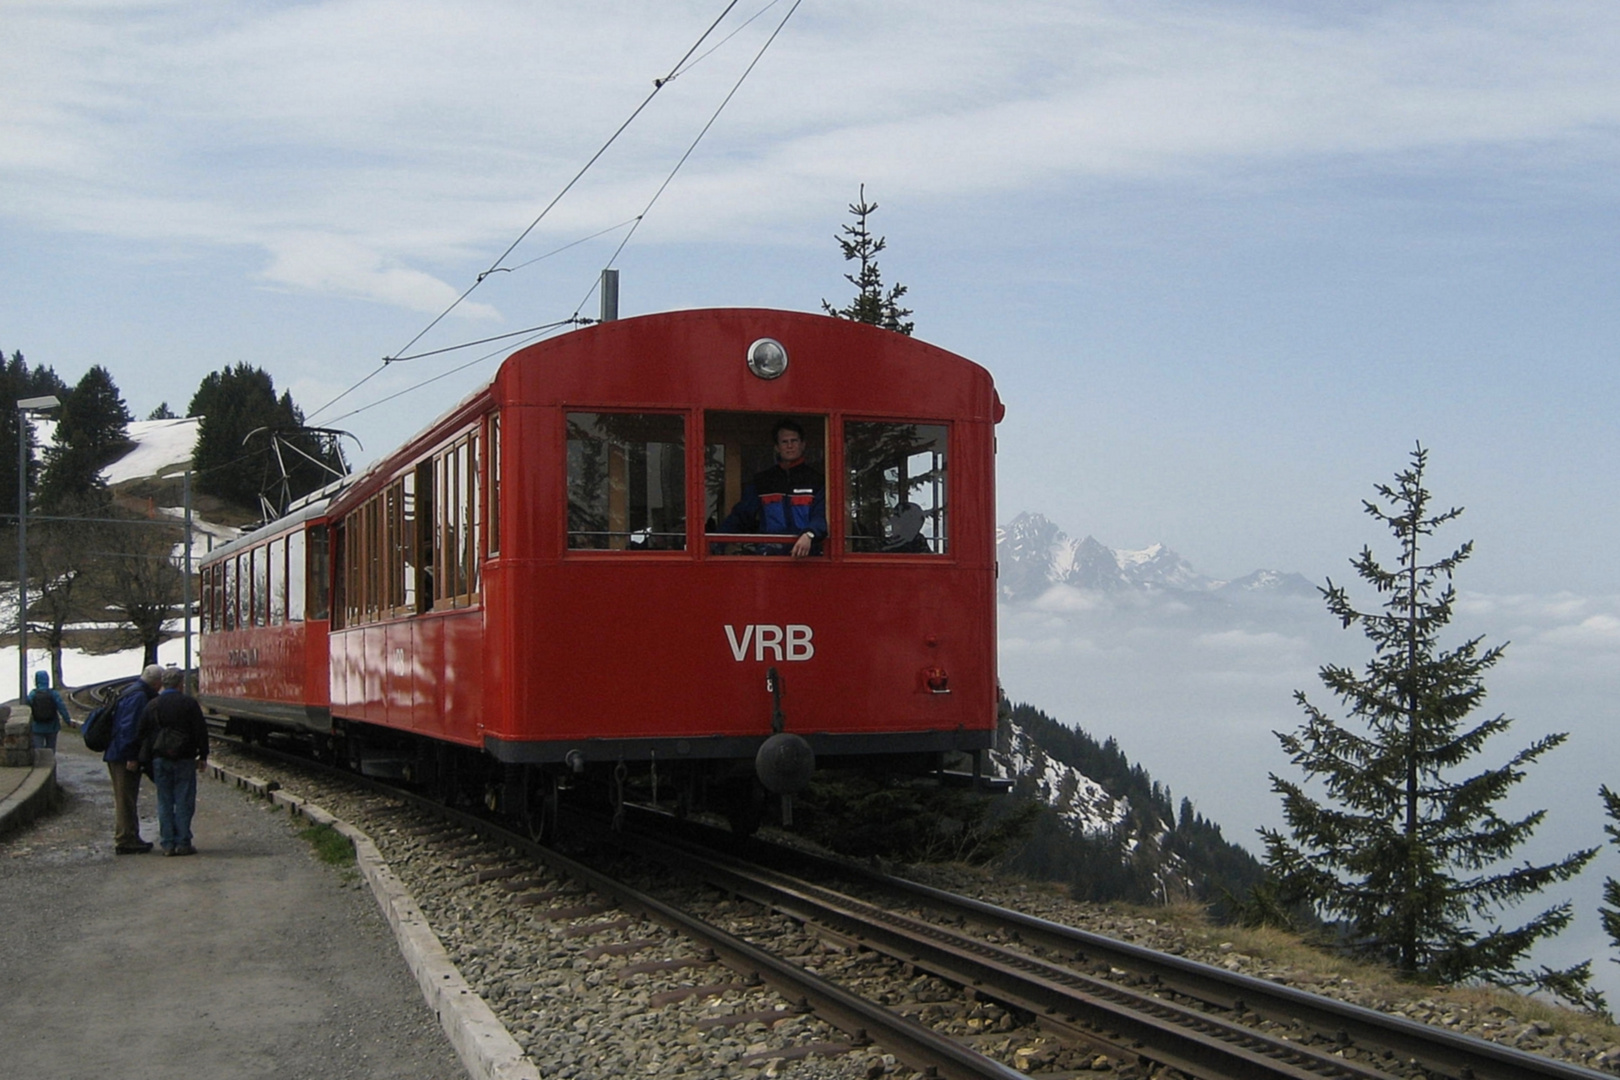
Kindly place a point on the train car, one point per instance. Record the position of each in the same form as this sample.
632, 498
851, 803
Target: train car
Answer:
265, 605
547, 587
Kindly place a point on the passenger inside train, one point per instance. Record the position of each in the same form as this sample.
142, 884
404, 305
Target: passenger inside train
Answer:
788, 498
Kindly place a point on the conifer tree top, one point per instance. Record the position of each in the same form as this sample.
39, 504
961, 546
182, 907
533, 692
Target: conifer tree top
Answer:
871, 304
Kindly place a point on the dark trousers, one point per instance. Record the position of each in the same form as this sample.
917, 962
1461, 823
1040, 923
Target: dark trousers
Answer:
126, 785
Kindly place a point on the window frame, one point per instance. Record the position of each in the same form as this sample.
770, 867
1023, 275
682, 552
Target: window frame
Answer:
688, 542
846, 519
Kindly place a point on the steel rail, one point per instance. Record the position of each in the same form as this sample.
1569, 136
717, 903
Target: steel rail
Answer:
1096, 1011
1433, 1049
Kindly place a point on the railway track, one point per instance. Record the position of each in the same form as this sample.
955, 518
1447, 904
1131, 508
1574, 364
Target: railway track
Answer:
1126, 1008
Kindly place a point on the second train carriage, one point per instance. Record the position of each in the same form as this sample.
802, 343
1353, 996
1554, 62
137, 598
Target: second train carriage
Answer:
536, 589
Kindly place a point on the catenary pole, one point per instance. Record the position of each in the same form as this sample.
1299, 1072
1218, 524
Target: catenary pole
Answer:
25, 406
185, 487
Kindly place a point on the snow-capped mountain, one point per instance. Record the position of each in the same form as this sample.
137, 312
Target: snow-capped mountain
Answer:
1034, 555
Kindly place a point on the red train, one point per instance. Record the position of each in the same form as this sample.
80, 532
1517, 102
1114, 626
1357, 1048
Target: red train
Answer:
547, 587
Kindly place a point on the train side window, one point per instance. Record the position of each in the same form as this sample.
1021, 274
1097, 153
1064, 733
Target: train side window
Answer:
317, 581
896, 488
397, 526
260, 585
229, 566
626, 482
454, 476
494, 484
205, 578
342, 612
297, 575
278, 581
426, 527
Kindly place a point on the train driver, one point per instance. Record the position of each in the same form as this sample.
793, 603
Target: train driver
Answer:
788, 498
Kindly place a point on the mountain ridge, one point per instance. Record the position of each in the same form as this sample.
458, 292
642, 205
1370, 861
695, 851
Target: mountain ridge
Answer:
1033, 555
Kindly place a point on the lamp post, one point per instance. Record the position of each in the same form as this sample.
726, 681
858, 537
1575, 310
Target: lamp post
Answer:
25, 407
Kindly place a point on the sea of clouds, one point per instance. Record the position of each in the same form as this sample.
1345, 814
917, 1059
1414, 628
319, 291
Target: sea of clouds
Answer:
1193, 688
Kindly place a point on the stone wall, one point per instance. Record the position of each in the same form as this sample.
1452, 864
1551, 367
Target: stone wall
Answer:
18, 747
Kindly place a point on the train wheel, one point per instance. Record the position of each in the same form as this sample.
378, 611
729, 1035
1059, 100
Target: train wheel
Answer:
745, 811
540, 801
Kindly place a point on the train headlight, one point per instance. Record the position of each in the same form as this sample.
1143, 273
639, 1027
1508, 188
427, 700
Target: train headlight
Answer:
767, 358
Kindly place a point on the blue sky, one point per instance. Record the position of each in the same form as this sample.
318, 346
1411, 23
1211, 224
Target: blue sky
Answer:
1227, 262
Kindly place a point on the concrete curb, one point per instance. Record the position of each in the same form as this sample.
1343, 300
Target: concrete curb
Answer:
486, 1048
37, 795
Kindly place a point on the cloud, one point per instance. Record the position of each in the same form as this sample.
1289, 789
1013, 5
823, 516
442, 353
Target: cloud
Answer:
348, 268
1597, 631
1196, 699
1066, 599
419, 130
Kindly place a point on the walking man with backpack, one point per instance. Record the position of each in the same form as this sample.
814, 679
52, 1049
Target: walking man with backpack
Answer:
47, 712
174, 738
124, 765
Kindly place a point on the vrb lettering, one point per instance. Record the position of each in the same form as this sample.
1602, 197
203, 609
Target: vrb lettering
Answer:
767, 641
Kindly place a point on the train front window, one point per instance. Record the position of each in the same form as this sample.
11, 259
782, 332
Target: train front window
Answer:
626, 482
764, 476
896, 488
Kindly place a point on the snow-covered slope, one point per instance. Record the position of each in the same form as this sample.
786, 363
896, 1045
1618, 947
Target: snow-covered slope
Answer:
1080, 801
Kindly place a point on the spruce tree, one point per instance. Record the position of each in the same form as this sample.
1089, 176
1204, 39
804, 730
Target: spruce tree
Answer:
92, 432
234, 403
1610, 913
1408, 853
870, 304
18, 381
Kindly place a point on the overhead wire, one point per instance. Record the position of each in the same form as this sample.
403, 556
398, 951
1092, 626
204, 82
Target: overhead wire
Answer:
542, 332
639, 218
658, 85
634, 223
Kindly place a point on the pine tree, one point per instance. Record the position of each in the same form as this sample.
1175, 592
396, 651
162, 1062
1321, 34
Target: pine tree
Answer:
1406, 853
92, 432
871, 304
18, 381
1610, 914
234, 403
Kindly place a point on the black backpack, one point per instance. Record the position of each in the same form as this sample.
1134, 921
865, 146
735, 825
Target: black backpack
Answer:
97, 728
41, 707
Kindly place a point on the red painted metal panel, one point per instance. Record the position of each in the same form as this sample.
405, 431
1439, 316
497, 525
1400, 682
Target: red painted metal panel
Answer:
265, 663
626, 651
462, 714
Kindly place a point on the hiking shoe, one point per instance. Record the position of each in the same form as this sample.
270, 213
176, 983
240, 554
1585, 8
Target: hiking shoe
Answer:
168, 850
185, 849
132, 849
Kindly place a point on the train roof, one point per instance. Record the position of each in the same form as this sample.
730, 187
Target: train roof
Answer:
310, 507
833, 365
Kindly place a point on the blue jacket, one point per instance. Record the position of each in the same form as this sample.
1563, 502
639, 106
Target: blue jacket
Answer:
125, 744
782, 500
42, 685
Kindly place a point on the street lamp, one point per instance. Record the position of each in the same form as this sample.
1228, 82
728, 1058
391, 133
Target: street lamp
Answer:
25, 408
